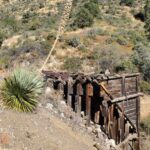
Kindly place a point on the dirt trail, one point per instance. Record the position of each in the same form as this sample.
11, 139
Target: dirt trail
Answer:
40, 131
145, 106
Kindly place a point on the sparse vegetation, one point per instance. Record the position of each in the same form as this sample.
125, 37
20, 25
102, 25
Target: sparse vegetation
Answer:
128, 2
145, 124
72, 64
74, 42
147, 18
81, 21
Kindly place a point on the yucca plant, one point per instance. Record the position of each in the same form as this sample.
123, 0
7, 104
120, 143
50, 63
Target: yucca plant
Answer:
20, 90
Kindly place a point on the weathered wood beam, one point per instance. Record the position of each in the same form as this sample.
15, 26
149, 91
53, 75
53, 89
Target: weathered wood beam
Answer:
89, 93
126, 97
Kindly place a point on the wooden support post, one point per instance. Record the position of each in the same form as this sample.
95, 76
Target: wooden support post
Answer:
78, 105
138, 112
89, 93
97, 107
122, 117
111, 122
79, 93
69, 92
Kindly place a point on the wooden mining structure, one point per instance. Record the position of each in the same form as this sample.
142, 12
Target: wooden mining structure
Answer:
113, 102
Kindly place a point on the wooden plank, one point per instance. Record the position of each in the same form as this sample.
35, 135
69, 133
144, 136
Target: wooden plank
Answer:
88, 103
78, 105
111, 121
126, 97
69, 91
138, 113
79, 89
122, 126
129, 111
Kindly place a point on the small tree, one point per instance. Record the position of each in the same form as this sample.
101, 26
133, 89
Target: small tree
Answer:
83, 18
147, 18
93, 8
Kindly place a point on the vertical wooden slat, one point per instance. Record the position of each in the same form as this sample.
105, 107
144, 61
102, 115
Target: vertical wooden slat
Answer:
69, 92
122, 119
97, 111
79, 92
89, 92
111, 121
138, 111
115, 129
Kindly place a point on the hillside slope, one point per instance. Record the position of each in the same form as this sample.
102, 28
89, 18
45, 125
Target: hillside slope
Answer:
28, 30
40, 131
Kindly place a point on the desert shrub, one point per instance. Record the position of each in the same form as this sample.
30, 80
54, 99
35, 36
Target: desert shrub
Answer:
34, 24
112, 9
92, 33
83, 19
74, 42
10, 22
46, 47
72, 64
147, 18
141, 58
27, 16
127, 2
145, 87
121, 37
145, 124
82, 48
4, 61
93, 8
145, 68
121, 40
51, 36
20, 91
107, 57
136, 37
126, 66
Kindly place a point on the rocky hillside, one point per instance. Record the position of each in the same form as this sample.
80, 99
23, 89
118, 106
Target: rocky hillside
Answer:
28, 30
54, 126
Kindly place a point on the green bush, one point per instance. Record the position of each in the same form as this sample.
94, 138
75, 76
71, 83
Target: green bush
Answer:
83, 19
20, 91
93, 8
121, 40
126, 66
72, 64
82, 48
27, 16
107, 57
92, 33
141, 58
4, 61
74, 42
34, 24
145, 87
147, 18
10, 22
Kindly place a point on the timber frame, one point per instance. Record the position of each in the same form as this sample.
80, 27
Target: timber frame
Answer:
113, 102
